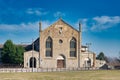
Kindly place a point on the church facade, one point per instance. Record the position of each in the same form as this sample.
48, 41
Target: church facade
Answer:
59, 47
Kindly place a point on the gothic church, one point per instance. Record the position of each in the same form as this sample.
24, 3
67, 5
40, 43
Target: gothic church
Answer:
59, 46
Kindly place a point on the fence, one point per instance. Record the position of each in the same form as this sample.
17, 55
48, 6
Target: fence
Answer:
11, 66
43, 69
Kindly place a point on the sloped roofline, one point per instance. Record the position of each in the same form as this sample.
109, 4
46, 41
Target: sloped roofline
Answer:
63, 22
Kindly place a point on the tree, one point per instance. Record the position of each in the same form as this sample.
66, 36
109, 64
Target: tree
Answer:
8, 52
101, 56
12, 54
19, 55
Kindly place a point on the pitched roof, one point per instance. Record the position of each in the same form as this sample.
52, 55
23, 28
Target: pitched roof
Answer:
36, 45
64, 23
67, 24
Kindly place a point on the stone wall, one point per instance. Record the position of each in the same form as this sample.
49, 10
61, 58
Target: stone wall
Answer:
55, 32
28, 55
100, 63
85, 56
60, 31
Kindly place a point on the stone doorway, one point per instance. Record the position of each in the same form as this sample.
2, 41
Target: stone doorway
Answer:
87, 62
60, 61
32, 62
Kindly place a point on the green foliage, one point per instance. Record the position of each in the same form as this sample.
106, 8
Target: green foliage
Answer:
8, 52
101, 56
19, 55
12, 54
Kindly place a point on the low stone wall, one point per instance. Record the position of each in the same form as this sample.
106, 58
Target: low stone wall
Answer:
43, 69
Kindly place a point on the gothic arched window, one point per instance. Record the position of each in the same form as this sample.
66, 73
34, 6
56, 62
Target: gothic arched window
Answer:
48, 47
73, 47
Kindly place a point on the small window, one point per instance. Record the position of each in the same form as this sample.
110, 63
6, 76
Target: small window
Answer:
60, 41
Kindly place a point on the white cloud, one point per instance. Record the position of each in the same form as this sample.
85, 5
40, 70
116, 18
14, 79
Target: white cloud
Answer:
45, 24
99, 23
24, 26
15, 27
83, 23
93, 24
36, 11
107, 19
104, 22
59, 14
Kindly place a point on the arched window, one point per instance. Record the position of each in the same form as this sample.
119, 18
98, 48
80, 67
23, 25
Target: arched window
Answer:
49, 47
73, 47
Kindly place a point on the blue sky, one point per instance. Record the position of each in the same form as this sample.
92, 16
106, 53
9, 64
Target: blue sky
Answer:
100, 21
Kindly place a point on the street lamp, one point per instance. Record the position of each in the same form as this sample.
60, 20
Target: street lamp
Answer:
89, 61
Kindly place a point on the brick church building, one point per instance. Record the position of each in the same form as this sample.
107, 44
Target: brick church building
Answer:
59, 46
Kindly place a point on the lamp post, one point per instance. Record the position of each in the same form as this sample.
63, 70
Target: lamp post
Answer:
88, 62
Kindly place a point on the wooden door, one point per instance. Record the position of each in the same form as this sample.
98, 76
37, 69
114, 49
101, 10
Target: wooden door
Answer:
60, 63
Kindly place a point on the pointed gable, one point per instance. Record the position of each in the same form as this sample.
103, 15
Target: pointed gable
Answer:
59, 29
61, 22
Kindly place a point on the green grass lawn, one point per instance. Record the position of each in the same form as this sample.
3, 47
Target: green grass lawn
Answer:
72, 75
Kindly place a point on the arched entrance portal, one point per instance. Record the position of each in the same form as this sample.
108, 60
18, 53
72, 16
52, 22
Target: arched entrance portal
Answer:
61, 61
32, 62
87, 62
